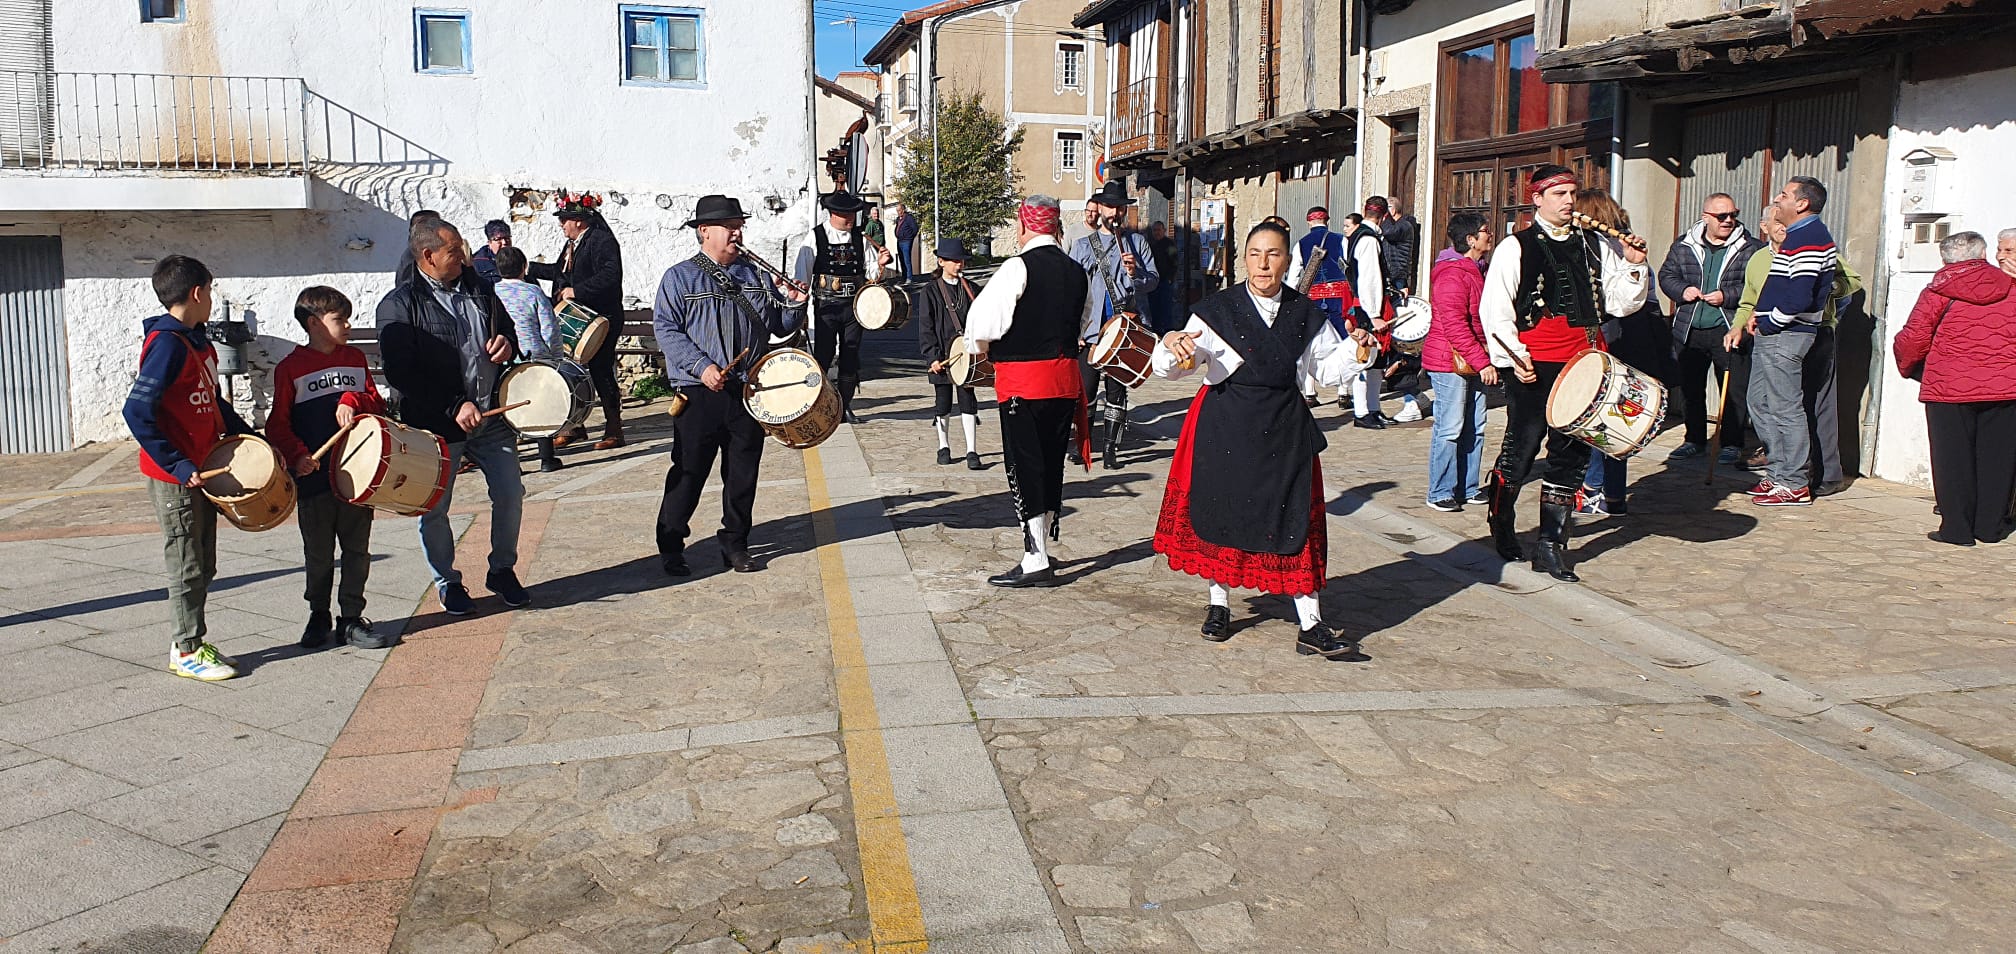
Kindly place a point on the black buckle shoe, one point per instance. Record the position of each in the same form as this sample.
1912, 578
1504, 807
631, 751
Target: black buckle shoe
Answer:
1018, 578
674, 564
973, 461
739, 562
1369, 422
1217, 624
1321, 640
1551, 558
944, 455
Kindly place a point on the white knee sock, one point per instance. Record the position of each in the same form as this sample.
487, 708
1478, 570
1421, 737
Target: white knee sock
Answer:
1038, 528
1219, 595
1365, 391
971, 422
944, 439
1307, 611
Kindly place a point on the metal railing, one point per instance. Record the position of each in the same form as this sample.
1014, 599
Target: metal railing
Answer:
98, 122
1141, 118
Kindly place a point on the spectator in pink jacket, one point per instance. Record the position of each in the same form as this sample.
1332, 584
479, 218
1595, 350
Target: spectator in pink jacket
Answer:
1458, 365
1960, 346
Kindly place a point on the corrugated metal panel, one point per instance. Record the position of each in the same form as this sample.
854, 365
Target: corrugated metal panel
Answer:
34, 365
1724, 152
1815, 136
26, 120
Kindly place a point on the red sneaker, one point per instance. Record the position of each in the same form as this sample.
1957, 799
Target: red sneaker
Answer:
1763, 487
1785, 497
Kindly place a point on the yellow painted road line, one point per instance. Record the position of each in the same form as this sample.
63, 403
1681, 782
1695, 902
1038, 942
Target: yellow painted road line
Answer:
894, 913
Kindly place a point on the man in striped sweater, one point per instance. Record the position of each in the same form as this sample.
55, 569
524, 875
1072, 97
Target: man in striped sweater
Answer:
1790, 311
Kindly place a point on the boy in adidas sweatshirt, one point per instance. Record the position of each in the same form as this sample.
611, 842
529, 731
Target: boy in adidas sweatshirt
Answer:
319, 389
176, 416
1791, 308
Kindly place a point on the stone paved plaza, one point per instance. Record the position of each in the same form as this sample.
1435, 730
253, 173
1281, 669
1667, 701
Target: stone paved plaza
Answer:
1748, 731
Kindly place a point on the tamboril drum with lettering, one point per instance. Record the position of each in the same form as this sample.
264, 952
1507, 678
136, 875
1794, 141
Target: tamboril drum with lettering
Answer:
1612, 406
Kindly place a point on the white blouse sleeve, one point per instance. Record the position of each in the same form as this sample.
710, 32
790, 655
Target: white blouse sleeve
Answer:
1331, 358
1214, 357
994, 310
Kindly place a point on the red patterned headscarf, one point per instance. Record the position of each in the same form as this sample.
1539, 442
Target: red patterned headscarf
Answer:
1563, 178
1038, 218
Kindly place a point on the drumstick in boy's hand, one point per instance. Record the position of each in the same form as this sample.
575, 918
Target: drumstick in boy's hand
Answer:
330, 444
213, 474
493, 412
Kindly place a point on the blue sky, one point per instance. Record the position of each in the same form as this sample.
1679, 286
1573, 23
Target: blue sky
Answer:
835, 46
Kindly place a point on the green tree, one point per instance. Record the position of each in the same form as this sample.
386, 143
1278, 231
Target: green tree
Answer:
978, 185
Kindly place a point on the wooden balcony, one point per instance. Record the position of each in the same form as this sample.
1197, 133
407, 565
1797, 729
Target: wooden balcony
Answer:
1141, 122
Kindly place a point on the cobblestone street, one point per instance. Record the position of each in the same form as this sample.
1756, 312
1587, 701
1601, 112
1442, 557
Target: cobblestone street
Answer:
1748, 731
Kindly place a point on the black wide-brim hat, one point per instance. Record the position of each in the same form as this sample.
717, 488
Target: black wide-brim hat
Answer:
715, 208
842, 202
1113, 195
951, 249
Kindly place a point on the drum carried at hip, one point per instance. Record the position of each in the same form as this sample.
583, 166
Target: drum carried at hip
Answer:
1410, 325
882, 306
385, 465
583, 331
1124, 350
1607, 404
789, 396
245, 477
545, 396
968, 370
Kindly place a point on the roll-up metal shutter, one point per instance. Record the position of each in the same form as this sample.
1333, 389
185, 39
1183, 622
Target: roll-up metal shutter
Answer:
34, 366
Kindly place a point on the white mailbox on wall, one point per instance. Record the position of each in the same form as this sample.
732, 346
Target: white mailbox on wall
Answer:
1928, 181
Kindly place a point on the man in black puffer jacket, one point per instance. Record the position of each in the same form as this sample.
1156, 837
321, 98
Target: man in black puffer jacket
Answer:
444, 338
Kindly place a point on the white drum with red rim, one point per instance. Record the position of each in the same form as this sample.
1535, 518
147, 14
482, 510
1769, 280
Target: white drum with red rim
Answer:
1124, 351
385, 465
1606, 403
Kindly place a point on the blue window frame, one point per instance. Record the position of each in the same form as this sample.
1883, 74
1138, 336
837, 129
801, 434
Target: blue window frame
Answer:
164, 11
663, 46
441, 41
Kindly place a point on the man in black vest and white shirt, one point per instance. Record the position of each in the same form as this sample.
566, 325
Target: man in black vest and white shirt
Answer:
834, 261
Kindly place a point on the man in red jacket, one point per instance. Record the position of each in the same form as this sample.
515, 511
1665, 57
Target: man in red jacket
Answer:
1960, 346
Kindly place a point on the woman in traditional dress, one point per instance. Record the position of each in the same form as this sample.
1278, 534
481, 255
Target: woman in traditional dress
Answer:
1245, 504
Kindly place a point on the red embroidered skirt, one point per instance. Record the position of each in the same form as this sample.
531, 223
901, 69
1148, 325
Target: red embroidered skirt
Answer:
1296, 574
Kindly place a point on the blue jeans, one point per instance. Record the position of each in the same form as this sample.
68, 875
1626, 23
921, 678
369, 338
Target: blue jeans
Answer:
1456, 446
905, 248
494, 448
1607, 475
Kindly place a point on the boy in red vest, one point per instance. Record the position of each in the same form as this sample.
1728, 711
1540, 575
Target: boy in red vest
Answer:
175, 414
317, 390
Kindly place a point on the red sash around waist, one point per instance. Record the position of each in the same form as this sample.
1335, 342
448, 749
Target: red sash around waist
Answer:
1048, 378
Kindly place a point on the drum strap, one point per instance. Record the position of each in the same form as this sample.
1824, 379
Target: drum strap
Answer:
734, 289
952, 309
1106, 273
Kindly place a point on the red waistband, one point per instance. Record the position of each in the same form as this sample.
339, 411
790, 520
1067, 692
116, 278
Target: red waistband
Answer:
1328, 290
1555, 340
1036, 380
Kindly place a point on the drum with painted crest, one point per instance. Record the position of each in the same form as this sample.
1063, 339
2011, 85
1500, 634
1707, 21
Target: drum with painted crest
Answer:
582, 330
556, 394
385, 465
969, 370
882, 306
255, 492
1607, 404
1410, 325
789, 396
1124, 350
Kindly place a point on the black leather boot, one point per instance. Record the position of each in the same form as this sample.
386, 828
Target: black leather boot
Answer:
1504, 495
1557, 509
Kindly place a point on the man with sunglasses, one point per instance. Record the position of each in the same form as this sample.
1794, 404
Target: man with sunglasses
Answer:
1703, 276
